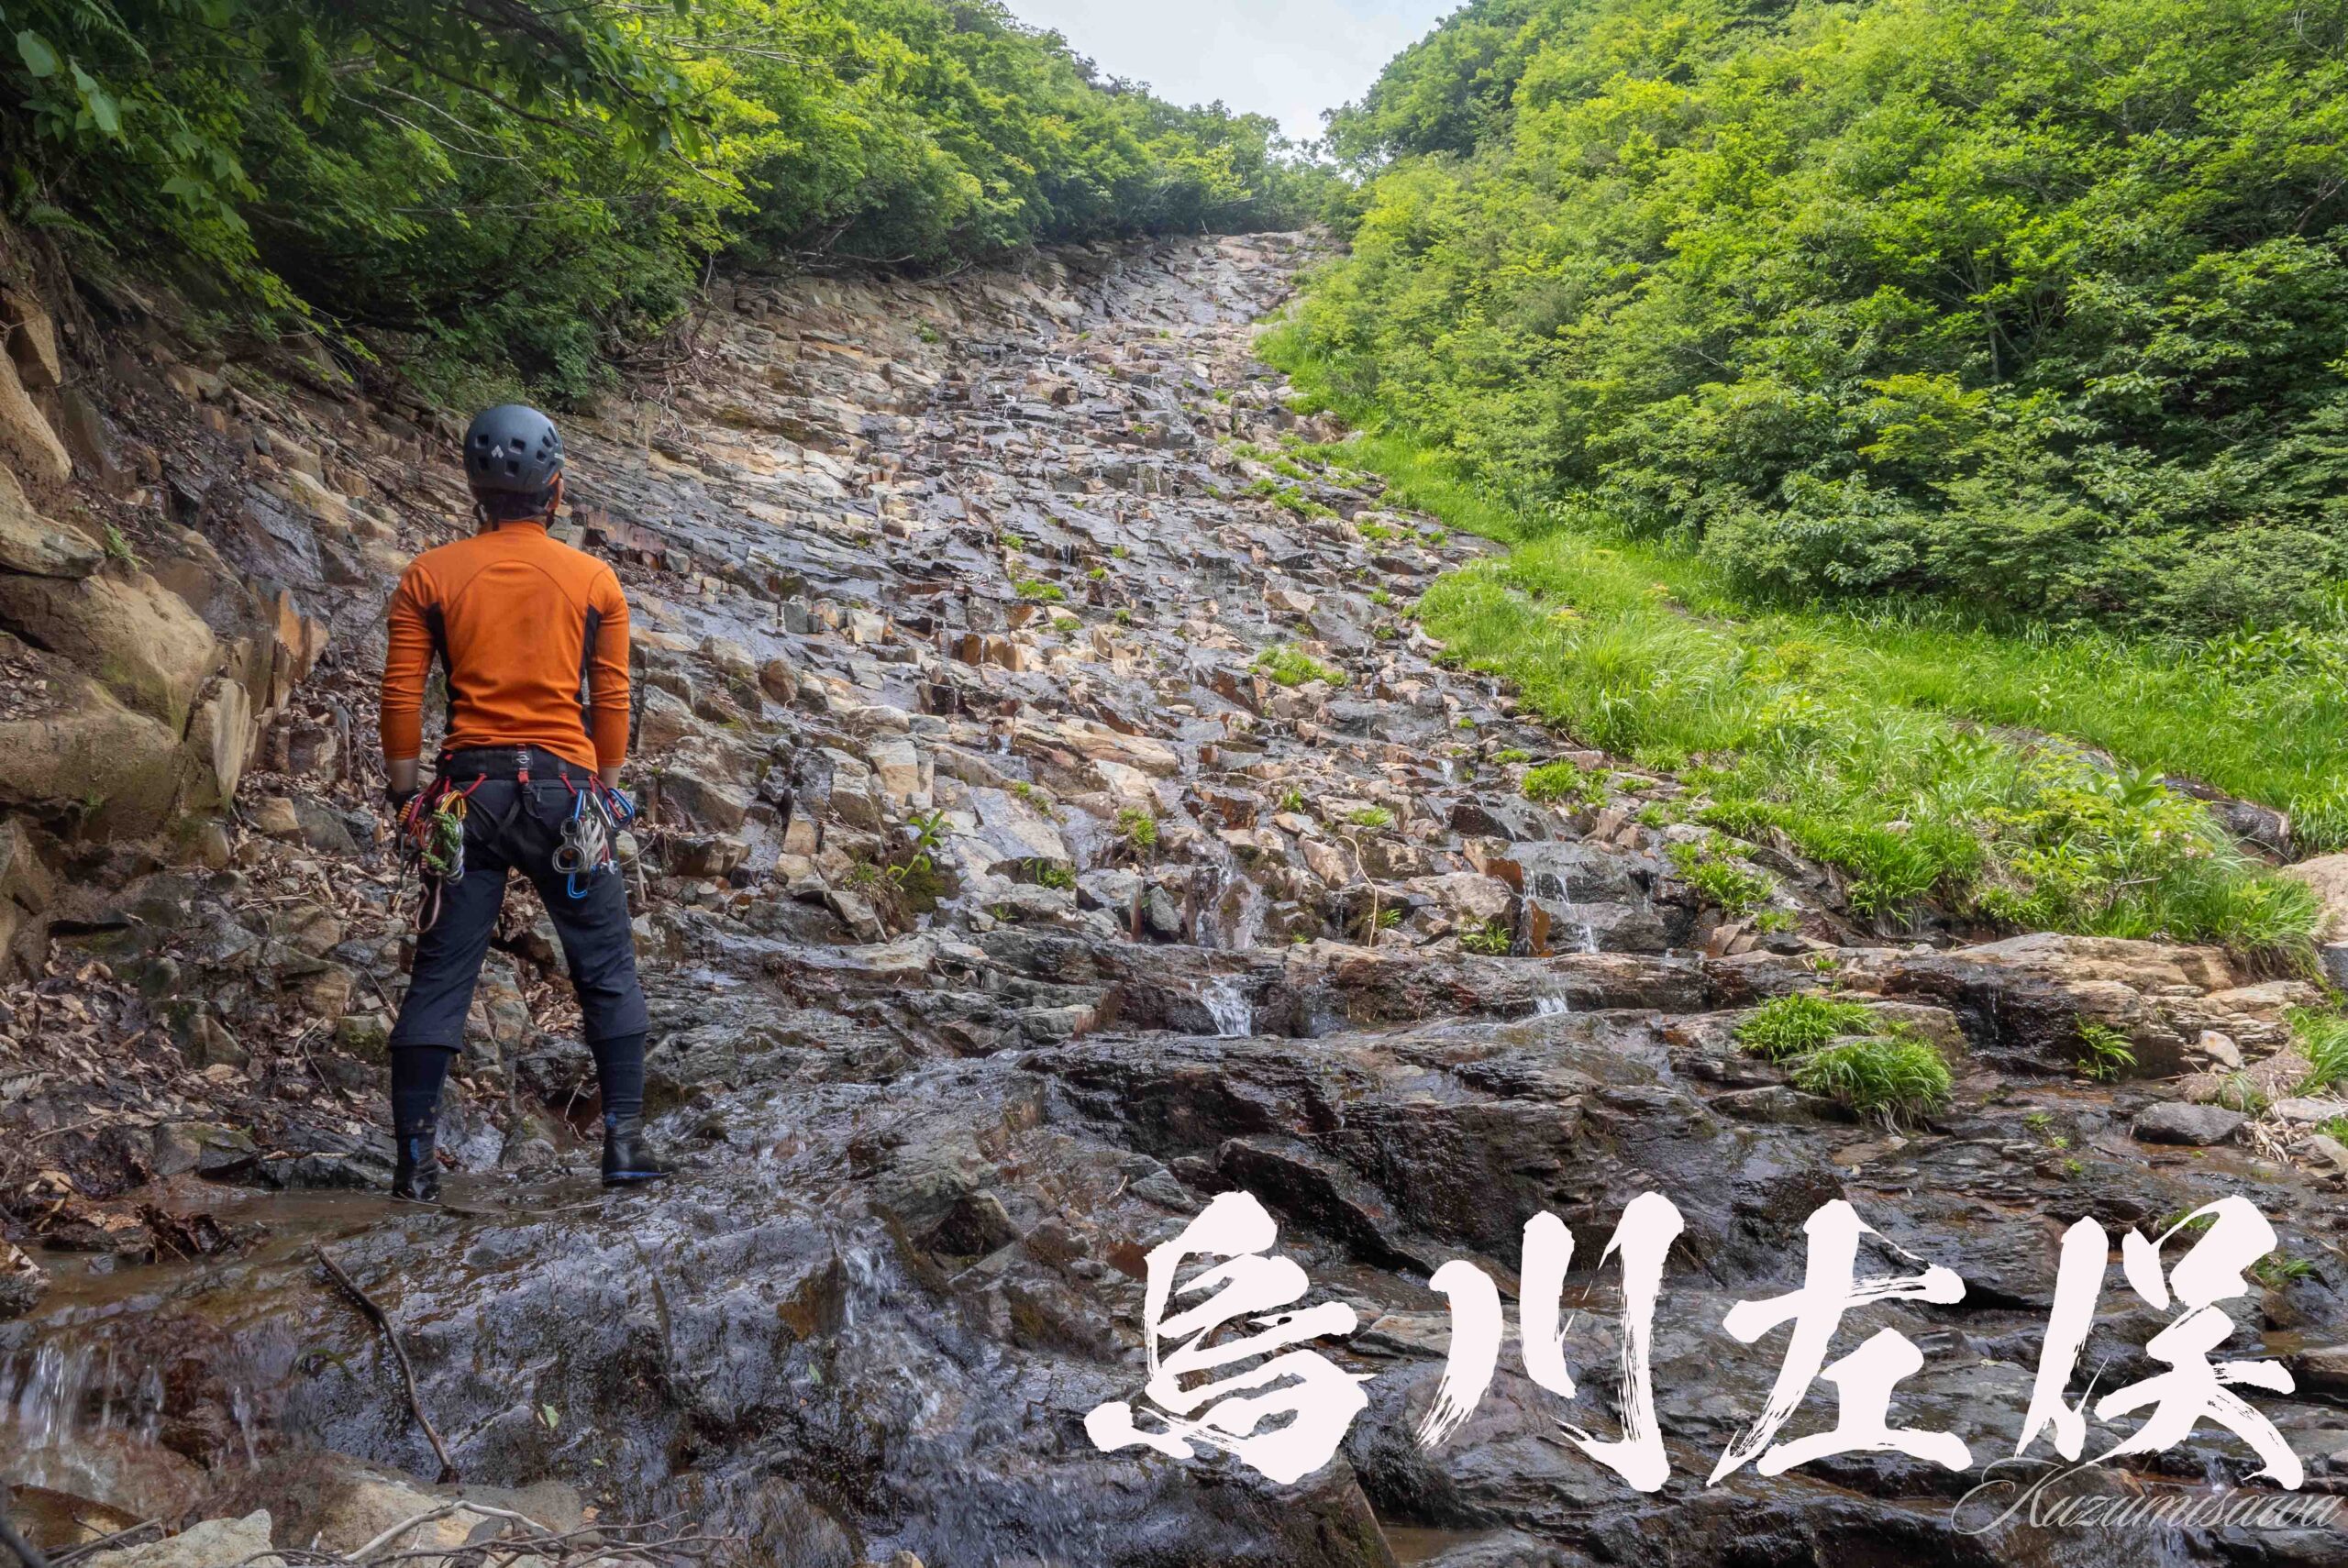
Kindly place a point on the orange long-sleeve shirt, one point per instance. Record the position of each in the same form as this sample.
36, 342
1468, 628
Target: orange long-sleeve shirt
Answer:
533, 636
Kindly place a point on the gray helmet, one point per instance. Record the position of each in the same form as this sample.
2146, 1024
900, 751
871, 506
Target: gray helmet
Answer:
512, 447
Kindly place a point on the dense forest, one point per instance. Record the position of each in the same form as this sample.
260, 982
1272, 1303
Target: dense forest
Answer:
2038, 307
508, 192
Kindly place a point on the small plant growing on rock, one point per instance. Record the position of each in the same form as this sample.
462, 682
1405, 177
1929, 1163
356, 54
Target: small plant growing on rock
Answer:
1724, 884
1014, 541
1041, 593
2104, 1053
1122, 616
1372, 817
1785, 1027
1097, 573
118, 547
2322, 1038
1511, 755
1050, 874
1067, 625
1138, 828
1377, 533
1493, 939
1291, 666
1773, 921
1894, 1079
1293, 801
1380, 598
2240, 1091
1554, 782
2278, 1272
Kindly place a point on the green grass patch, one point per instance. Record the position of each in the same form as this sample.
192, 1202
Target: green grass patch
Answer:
2322, 1039
1292, 666
1786, 1027
1722, 883
1895, 1079
1555, 781
1860, 738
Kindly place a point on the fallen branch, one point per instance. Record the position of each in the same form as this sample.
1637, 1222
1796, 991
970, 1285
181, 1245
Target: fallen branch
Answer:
383, 1320
104, 1543
520, 1542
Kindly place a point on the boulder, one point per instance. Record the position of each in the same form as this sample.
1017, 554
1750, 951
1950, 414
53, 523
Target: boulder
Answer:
662, 720
1013, 830
216, 1543
2328, 874
697, 796
341, 1505
2024, 999
132, 632
27, 442
22, 1282
94, 755
897, 768
2175, 1121
33, 544
779, 679
221, 739
32, 342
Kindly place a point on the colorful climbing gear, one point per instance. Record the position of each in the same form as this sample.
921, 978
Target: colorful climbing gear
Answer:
589, 845
432, 839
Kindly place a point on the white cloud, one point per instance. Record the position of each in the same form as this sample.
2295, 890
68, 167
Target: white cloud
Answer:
1288, 58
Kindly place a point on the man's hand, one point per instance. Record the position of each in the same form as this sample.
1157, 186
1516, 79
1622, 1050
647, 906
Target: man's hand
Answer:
400, 786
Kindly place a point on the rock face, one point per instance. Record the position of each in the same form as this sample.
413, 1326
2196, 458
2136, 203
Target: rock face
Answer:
141, 663
1002, 904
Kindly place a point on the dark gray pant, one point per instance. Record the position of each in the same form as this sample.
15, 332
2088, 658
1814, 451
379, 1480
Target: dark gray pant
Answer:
511, 826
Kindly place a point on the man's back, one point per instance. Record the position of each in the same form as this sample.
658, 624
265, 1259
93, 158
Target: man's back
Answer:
526, 627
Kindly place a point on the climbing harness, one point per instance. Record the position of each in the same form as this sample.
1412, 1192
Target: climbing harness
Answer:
589, 845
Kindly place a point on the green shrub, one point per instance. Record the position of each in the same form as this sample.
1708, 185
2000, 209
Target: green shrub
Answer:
1690, 268
1899, 1081
1786, 1027
497, 198
1374, 818
1040, 592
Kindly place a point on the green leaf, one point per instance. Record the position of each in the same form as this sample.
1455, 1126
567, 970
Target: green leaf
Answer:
39, 58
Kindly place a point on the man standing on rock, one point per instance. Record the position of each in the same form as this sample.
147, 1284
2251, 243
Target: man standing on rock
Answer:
533, 637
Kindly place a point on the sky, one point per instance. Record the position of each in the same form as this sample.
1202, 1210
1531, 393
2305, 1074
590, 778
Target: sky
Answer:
1288, 58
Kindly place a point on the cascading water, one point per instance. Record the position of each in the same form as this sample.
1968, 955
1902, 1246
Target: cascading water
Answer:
1235, 1017
1233, 916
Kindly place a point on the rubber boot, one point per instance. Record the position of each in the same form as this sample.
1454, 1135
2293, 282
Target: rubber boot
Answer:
417, 1176
627, 1159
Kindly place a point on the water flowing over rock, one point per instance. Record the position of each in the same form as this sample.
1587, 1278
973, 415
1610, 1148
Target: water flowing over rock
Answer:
1054, 820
